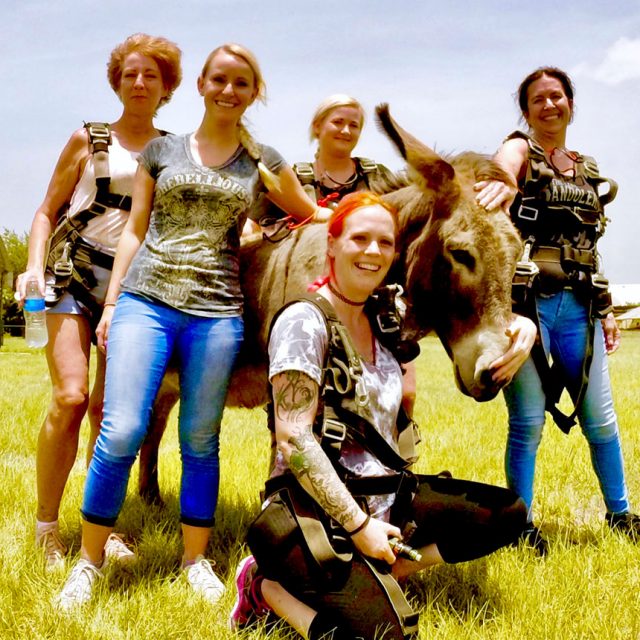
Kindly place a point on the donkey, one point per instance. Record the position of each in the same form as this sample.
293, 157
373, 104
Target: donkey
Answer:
454, 260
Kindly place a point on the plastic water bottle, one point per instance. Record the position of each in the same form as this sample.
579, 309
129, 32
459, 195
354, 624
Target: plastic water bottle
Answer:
35, 316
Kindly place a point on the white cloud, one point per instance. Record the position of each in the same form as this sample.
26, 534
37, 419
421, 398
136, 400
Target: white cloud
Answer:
621, 62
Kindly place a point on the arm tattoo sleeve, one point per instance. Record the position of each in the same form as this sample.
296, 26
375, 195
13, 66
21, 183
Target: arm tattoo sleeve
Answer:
295, 397
314, 471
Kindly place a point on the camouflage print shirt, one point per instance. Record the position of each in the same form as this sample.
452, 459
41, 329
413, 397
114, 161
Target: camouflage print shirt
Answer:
189, 256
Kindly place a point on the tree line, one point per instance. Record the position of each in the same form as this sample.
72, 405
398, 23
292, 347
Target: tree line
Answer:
13, 261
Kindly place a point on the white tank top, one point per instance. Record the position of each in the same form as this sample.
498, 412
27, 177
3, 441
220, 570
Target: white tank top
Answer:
104, 230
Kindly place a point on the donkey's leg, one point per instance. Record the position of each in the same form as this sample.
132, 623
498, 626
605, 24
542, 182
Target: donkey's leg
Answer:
168, 395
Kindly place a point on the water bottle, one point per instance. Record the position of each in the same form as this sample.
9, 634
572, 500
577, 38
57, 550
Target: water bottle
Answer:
35, 316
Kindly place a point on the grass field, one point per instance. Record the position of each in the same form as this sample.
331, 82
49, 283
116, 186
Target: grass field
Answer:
587, 587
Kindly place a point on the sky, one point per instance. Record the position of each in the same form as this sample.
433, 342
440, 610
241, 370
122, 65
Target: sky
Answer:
448, 69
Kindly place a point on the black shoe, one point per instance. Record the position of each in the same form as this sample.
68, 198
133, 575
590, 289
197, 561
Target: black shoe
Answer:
627, 523
531, 537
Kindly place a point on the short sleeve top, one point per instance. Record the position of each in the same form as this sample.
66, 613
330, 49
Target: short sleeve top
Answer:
189, 256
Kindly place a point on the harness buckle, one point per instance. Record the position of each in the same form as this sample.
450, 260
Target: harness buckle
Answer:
598, 281
526, 212
524, 276
99, 135
334, 431
63, 267
362, 399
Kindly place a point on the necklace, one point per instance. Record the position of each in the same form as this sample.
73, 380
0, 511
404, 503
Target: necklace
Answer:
338, 295
349, 182
324, 174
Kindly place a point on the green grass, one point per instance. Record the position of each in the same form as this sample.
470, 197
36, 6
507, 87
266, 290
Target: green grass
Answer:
586, 588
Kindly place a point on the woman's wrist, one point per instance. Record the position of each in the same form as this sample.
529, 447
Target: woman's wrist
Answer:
360, 527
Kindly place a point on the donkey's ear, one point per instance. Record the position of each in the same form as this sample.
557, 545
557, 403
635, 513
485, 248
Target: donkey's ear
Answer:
437, 173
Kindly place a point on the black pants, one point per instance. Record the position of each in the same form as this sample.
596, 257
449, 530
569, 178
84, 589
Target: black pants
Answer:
466, 520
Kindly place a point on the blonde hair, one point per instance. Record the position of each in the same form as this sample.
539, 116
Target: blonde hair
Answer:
270, 180
328, 105
166, 54
239, 51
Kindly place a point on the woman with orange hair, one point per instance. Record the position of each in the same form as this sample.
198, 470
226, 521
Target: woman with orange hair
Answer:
341, 497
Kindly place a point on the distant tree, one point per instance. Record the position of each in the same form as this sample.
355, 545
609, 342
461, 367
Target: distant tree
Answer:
16, 246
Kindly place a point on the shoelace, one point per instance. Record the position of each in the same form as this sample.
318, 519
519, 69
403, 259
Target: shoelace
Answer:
82, 576
204, 577
52, 543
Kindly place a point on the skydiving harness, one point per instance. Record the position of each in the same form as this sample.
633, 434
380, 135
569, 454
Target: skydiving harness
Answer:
306, 175
566, 265
293, 520
281, 226
70, 256
336, 424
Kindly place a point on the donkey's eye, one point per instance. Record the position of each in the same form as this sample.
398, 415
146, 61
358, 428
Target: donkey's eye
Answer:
463, 257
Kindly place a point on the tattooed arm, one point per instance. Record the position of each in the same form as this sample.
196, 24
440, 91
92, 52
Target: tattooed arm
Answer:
295, 398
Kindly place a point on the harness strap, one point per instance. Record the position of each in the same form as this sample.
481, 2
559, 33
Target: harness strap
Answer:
306, 513
362, 432
68, 231
552, 378
336, 424
407, 617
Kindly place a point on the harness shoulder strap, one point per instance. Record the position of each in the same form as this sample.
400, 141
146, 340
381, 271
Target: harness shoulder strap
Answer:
304, 171
342, 377
366, 165
99, 140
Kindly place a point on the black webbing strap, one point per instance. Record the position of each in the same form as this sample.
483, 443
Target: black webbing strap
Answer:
368, 437
552, 377
307, 514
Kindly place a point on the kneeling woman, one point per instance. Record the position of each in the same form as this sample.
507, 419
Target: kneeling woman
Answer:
358, 492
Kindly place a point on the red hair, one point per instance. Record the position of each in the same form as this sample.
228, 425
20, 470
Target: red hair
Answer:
335, 226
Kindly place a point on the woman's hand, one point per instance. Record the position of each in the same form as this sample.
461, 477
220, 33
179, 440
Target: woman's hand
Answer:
522, 332
373, 540
611, 333
322, 214
21, 283
102, 330
494, 194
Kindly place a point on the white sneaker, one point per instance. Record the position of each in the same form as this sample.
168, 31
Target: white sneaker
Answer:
116, 551
203, 580
54, 549
78, 588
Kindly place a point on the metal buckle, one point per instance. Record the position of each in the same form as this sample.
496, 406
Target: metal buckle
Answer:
334, 430
63, 267
598, 281
527, 269
99, 132
531, 212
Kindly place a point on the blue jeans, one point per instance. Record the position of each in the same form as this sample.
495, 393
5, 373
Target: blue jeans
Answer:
142, 338
564, 329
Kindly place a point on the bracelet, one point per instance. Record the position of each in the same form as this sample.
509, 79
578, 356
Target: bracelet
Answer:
301, 223
108, 304
359, 528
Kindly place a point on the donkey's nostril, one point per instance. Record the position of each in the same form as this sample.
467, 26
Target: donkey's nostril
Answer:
485, 378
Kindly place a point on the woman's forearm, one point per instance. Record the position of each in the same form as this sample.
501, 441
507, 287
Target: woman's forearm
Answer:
295, 398
310, 465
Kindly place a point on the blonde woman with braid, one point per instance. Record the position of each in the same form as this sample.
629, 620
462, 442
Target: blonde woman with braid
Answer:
175, 290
